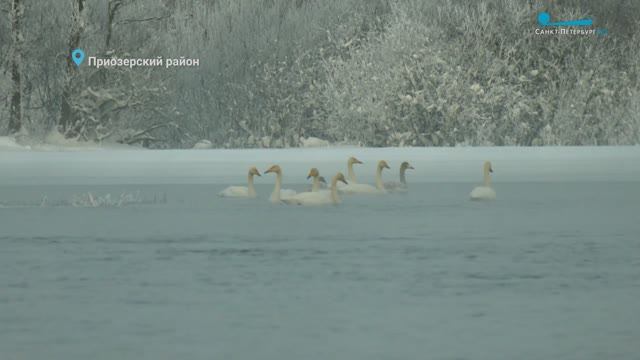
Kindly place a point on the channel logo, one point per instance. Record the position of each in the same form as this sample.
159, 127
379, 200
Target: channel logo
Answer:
544, 19
566, 27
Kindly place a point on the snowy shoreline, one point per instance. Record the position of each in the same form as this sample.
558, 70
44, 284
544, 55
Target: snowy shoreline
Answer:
224, 166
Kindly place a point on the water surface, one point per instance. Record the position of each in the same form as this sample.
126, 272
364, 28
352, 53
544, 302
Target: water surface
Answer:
551, 270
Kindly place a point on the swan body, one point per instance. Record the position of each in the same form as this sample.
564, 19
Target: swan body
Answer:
401, 186
352, 189
355, 188
287, 193
278, 194
484, 192
318, 198
236, 191
242, 191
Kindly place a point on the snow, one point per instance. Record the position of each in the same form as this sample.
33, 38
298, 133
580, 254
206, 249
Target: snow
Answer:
459, 164
203, 144
54, 141
8, 143
311, 142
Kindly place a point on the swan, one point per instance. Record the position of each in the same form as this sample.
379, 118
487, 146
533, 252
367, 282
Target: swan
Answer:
351, 175
484, 192
242, 191
321, 187
279, 194
402, 185
319, 197
318, 181
355, 188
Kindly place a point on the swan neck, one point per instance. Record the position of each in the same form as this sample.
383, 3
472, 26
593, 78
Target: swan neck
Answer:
379, 183
350, 173
487, 178
316, 184
251, 187
275, 196
403, 179
335, 198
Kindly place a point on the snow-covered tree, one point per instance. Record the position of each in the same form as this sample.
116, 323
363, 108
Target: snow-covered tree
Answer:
68, 117
15, 116
276, 73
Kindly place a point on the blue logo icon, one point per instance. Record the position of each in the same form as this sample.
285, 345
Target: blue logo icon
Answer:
77, 56
544, 19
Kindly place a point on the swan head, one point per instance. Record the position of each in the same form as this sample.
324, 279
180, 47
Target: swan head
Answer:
274, 169
383, 165
352, 160
254, 171
313, 173
340, 177
487, 167
405, 165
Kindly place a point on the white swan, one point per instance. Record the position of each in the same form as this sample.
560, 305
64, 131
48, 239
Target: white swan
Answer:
317, 179
319, 197
401, 186
279, 194
351, 175
355, 188
484, 192
319, 182
242, 191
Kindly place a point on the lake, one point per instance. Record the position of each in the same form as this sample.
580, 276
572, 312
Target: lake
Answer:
550, 270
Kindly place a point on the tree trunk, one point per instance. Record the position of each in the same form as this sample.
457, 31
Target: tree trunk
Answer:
68, 117
15, 117
114, 5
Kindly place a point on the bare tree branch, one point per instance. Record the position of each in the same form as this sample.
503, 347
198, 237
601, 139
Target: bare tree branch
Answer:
129, 21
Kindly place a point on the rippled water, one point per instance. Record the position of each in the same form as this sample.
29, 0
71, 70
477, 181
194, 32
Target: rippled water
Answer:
548, 271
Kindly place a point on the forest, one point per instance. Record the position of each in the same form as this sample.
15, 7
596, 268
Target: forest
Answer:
291, 73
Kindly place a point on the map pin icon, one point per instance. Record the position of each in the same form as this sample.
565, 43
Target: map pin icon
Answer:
77, 56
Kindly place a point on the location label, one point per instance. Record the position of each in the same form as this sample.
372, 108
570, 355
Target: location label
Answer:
77, 56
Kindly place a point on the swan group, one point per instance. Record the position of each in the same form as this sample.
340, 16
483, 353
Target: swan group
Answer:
356, 188
322, 197
340, 185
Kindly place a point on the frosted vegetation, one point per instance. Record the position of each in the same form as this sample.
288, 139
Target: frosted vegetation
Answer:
283, 73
